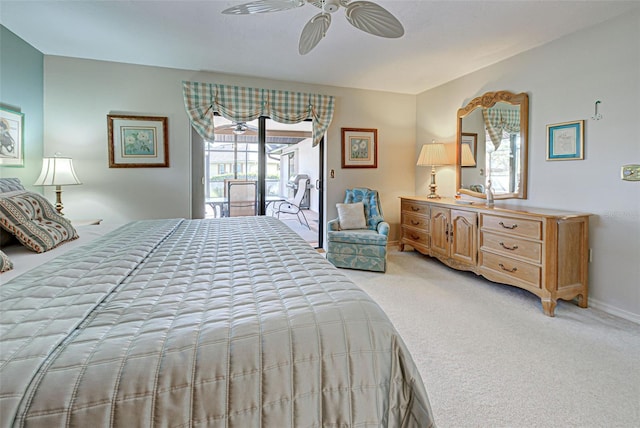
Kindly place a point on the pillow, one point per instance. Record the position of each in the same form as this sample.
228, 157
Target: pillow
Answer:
5, 263
10, 185
351, 216
34, 221
6, 238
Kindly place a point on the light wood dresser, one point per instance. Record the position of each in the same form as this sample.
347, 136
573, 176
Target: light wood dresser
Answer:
543, 251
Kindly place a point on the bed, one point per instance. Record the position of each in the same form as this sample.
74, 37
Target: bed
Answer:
233, 322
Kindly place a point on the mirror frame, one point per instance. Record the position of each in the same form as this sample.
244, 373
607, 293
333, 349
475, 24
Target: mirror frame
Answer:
487, 100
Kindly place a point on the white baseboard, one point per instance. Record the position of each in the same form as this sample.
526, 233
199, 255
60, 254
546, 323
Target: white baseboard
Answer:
612, 310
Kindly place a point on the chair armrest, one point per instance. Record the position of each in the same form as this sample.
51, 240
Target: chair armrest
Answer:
333, 225
383, 228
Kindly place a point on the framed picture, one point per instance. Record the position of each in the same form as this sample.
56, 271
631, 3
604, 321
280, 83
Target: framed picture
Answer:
359, 148
471, 139
138, 141
565, 141
11, 138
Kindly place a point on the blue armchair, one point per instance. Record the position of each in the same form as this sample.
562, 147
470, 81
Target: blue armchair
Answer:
363, 249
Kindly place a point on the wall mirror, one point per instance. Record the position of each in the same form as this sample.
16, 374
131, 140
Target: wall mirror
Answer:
492, 146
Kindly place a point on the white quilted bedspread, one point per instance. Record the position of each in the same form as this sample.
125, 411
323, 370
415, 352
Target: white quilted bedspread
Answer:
231, 322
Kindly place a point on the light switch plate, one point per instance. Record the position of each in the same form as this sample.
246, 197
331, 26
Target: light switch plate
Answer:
631, 172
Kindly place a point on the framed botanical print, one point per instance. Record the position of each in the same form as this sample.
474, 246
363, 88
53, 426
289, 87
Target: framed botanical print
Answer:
359, 148
11, 137
138, 141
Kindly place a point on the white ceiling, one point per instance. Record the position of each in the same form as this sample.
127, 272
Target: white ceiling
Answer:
443, 39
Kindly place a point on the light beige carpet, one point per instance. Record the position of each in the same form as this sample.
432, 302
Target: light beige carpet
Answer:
489, 356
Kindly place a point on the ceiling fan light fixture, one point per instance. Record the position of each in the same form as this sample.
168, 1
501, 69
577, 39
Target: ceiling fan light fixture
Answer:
330, 6
239, 129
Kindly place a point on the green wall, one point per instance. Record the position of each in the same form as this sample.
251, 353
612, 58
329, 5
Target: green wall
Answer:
22, 89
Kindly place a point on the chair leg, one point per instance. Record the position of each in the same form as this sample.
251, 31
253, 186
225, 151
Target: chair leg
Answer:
304, 217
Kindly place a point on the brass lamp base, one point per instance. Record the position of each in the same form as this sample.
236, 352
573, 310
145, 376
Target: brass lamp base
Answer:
59, 200
432, 186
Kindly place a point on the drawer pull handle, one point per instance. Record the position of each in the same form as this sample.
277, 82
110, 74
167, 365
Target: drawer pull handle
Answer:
415, 238
515, 247
415, 208
513, 226
508, 270
415, 223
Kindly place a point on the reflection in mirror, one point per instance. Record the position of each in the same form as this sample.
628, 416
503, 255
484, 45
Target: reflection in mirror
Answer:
494, 129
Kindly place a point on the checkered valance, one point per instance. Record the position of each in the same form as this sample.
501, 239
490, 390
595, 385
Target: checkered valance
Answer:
498, 120
239, 104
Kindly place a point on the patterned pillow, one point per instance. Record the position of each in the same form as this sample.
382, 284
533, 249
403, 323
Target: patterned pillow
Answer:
5, 263
34, 221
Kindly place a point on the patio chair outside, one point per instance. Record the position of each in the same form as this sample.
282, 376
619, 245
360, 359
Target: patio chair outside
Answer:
241, 198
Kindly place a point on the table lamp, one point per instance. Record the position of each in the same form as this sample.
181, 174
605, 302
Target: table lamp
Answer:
57, 171
467, 156
433, 155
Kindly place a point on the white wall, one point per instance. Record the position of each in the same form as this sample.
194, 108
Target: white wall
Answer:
564, 79
80, 93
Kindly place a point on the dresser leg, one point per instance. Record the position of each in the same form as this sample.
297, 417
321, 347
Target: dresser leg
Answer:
583, 301
549, 307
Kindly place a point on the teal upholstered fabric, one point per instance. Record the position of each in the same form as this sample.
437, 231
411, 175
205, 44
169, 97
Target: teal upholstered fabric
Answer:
363, 249
372, 207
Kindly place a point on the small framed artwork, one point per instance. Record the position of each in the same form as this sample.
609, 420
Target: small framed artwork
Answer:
138, 141
11, 138
565, 141
470, 139
359, 148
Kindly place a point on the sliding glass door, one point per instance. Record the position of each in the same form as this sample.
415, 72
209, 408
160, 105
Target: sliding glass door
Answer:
274, 157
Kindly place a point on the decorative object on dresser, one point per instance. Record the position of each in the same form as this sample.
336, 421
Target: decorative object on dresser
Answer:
433, 155
138, 141
358, 240
57, 171
539, 250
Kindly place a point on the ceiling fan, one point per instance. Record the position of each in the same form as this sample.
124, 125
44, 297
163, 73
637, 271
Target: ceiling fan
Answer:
237, 128
364, 15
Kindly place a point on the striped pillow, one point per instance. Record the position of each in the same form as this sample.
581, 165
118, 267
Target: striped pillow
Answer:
5, 263
34, 221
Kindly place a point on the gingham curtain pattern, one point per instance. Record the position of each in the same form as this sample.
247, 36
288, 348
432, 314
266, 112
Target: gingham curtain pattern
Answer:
499, 120
239, 104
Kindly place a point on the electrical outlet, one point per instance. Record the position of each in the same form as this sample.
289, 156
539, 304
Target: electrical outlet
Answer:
630, 172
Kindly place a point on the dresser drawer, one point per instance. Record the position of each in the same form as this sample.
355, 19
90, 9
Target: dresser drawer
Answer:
512, 225
511, 246
415, 220
520, 272
415, 207
414, 236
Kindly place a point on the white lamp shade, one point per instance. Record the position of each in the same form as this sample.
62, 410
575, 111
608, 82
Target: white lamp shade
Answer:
467, 156
57, 171
433, 154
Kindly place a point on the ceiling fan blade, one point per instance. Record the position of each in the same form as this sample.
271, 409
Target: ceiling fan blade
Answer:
313, 32
263, 6
374, 19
